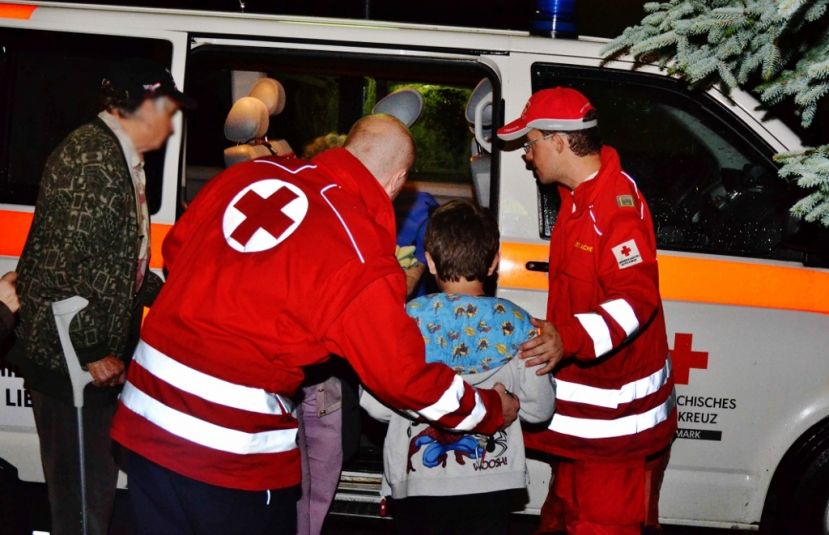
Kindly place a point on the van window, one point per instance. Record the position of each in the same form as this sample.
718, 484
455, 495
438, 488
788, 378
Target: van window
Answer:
325, 95
49, 85
710, 182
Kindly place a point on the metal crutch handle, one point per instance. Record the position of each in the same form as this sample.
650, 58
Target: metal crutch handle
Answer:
64, 311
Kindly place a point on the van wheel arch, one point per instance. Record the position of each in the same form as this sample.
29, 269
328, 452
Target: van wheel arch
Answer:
798, 497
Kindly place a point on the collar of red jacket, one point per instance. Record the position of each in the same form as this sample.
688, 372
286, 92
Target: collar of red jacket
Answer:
351, 175
585, 193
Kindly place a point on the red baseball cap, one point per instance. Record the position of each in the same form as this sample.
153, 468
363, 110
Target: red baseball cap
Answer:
559, 108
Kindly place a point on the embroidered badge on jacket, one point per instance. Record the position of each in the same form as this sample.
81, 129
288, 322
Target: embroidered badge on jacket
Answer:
627, 254
583, 246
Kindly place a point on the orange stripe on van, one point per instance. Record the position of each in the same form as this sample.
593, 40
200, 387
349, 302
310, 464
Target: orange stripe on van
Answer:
16, 11
14, 227
727, 282
697, 280
512, 271
682, 278
158, 232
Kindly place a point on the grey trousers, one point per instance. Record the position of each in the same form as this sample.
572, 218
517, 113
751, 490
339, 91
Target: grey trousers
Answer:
58, 432
321, 451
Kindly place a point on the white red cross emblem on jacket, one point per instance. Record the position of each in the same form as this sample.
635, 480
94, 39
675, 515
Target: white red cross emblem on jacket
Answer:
263, 214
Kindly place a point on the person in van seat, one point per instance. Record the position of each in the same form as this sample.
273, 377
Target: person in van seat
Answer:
277, 264
605, 335
444, 482
9, 303
91, 237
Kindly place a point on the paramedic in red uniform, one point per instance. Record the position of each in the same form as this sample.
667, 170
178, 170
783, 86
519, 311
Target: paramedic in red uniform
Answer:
605, 335
275, 265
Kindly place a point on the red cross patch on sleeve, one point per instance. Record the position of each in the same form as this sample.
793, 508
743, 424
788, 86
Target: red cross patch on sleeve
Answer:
627, 254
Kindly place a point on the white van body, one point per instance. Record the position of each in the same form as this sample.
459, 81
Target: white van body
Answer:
749, 328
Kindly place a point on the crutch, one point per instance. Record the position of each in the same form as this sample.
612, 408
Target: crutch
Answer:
64, 311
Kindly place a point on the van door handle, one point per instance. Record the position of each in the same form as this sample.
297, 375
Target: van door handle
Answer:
535, 265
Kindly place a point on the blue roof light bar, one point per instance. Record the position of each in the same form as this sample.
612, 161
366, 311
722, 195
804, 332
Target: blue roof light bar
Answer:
554, 18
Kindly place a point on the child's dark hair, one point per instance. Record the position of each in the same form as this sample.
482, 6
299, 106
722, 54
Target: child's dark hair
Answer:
462, 239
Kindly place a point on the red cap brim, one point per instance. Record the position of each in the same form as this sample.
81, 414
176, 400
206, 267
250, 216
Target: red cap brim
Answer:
514, 130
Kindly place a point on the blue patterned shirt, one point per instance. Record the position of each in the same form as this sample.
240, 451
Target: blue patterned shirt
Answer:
470, 334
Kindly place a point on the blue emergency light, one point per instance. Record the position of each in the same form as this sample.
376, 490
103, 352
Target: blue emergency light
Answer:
554, 18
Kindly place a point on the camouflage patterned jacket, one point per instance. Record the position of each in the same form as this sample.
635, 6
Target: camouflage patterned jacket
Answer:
84, 241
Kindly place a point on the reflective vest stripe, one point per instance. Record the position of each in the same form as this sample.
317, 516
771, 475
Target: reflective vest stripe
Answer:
208, 387
613, 397
450, 401
205, 433
593, 217
623, 314
597, 329
474, 417
625, 426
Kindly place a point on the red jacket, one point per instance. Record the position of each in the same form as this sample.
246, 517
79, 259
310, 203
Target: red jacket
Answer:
615, 398
277, 264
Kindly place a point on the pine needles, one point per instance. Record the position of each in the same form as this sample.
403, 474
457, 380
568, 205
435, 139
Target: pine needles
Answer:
777, 48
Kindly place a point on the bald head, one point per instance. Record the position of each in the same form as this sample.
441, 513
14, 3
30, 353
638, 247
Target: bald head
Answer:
384, 145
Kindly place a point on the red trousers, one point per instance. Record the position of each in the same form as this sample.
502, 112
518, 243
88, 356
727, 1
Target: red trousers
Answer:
604, 498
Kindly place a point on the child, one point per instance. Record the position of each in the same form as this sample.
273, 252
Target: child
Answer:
444, 482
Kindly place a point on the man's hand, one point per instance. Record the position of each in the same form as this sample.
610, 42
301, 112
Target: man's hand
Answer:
8, 293
509, 404
546, 348
109, 371
413, 275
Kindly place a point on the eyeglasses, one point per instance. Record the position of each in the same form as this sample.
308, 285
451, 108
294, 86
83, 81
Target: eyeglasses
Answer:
529, 144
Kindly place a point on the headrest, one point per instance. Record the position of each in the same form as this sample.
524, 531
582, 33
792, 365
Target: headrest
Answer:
405, 104
481, 90
270, 92
244, 152
246, 120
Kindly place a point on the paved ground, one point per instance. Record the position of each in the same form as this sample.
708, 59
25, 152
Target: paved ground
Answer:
521, 525
337, 524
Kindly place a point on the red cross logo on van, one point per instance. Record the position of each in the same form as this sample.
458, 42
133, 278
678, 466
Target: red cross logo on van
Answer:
263, 214
683, 358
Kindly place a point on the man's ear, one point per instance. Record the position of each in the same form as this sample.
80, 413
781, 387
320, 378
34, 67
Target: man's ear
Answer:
396, 181
431, 263
560, 142
494, 265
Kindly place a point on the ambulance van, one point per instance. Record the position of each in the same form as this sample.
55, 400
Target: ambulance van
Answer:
745, 285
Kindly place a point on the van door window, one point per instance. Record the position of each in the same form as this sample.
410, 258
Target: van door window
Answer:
325, 95
49, 85
710, 182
